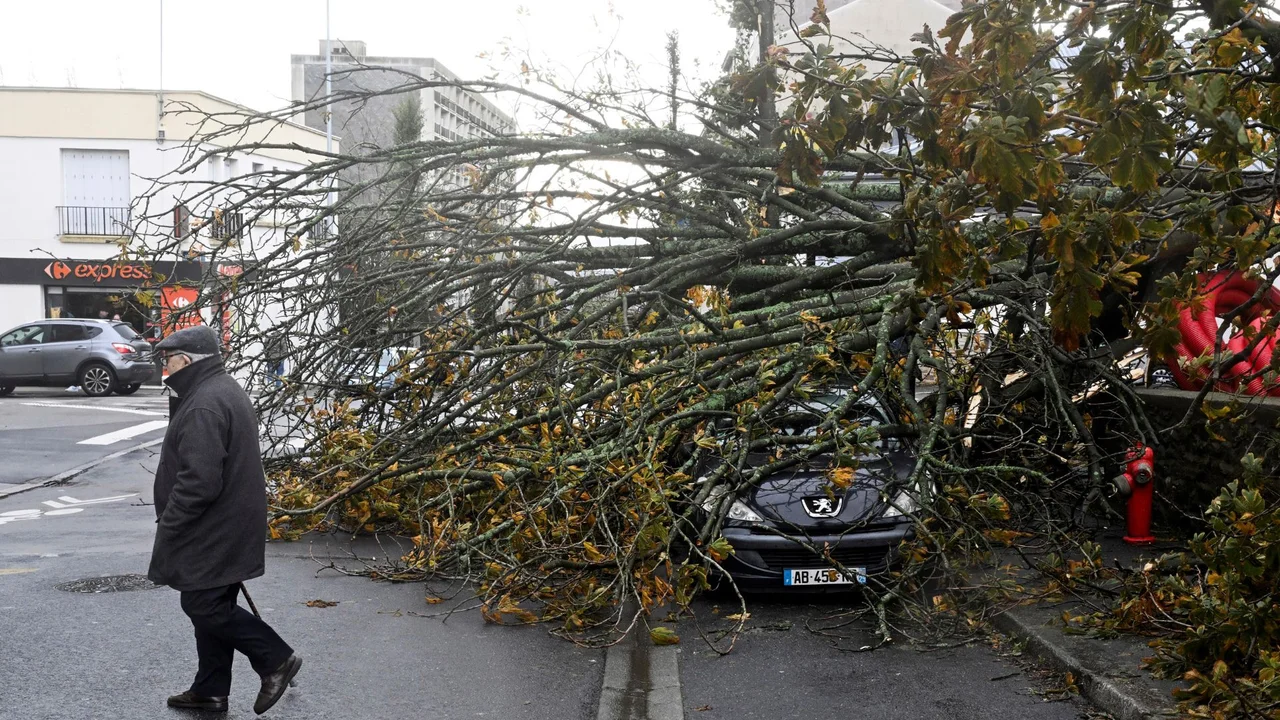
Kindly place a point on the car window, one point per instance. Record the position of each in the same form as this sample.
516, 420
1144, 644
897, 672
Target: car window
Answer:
391, 357
126, 331
93, 330
802, 418
29, 335
71, 332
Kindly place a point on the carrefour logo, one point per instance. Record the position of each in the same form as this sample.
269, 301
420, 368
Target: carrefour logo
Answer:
57, 270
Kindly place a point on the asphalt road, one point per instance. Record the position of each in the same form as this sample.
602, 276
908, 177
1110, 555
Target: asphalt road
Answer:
377, 654
46, 431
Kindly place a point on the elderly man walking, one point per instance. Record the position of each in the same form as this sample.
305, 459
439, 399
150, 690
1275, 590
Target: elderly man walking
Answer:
211, 510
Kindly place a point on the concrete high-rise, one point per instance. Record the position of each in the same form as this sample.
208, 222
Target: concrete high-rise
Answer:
367, 123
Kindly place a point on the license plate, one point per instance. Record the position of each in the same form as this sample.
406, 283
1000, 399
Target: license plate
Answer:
822, 576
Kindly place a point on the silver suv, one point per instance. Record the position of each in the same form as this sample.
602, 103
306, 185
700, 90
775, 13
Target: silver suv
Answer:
100, 356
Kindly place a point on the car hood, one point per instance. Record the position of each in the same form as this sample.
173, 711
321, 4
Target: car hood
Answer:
788, 499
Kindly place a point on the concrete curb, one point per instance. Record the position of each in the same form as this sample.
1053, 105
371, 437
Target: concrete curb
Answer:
641, 681
6, 491
1122, 700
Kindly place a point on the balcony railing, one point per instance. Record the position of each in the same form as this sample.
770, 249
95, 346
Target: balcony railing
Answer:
104, 221
226, 225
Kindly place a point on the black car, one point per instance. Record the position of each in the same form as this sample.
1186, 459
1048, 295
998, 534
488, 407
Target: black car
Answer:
787, 530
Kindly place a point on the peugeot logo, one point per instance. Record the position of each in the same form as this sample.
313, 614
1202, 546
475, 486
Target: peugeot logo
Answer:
822, 506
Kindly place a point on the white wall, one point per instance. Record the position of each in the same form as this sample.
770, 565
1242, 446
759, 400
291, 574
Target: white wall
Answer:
31, 191
20, 304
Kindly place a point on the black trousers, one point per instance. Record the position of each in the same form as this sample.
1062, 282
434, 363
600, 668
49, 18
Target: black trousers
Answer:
223, 627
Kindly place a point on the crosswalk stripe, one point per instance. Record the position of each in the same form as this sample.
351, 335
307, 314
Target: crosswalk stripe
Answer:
115, 437
94, 407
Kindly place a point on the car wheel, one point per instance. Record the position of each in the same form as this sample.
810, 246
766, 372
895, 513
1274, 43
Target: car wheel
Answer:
5, 390
129, 389
97, 380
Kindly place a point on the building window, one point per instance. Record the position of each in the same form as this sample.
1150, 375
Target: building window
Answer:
226, 225
95, 192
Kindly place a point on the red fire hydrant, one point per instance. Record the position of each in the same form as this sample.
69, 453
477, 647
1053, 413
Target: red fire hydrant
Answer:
1136, 485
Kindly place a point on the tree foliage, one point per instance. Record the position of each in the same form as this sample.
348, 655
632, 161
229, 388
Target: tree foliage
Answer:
610, 301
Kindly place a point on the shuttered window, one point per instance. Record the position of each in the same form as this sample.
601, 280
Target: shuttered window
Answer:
95, 178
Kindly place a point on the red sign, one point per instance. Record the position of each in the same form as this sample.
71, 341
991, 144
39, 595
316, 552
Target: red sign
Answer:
176, 312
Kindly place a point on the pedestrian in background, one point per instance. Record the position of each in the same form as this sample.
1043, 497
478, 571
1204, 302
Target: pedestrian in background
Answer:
276, 350
211, 510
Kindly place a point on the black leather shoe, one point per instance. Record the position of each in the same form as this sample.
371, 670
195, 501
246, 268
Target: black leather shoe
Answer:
190, 701
274, 685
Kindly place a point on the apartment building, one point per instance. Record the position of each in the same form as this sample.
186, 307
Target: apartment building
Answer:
75, 167
367, 123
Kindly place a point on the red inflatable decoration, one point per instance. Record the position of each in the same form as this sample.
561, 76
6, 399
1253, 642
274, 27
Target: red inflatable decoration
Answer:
1224, 292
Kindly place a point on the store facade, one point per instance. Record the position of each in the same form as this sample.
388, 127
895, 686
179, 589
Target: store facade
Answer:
78, 187
144, 295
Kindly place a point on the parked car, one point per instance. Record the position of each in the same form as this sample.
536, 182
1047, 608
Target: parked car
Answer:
375, 371
776, 527
100, 356
1138, 369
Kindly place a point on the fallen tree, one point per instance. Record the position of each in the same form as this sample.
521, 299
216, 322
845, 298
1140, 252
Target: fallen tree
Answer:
599, 307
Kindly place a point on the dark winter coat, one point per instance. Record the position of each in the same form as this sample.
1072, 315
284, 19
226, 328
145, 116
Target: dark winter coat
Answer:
210, 490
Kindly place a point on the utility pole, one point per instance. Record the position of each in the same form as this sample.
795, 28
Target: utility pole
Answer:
328, 83
160, 94
328, 114
769, 109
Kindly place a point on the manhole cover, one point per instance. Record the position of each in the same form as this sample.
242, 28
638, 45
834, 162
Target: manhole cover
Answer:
108, 583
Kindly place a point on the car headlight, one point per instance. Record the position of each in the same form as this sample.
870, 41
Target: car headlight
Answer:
740, 512
903, 504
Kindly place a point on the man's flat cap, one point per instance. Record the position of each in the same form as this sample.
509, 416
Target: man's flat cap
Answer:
195, 340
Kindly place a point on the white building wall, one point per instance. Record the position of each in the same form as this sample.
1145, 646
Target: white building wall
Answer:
31, 190
32, 180
16, 302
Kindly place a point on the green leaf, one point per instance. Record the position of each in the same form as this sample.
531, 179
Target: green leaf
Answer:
1214, 90
1102, 147
720, 549
664, 636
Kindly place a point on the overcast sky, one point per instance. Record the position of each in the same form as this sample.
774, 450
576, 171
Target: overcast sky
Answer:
239, 49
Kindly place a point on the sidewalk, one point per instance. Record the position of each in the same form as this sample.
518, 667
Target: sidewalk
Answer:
1109, 672
120, 654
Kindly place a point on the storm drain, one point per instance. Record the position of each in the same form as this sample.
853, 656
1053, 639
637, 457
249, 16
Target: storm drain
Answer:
108, 583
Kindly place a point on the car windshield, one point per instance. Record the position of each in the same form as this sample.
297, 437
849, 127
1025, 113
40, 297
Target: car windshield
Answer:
126, 331
803, 417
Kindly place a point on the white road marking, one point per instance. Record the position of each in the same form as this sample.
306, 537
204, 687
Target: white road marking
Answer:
115, 437
62, 509
104, 408
70, 501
